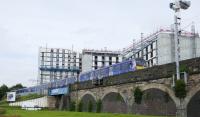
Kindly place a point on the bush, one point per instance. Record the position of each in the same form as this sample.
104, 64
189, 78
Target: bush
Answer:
80, 106
180, 89
138, 95
183, 68
72, 106
99, 105
90, 106
2, 111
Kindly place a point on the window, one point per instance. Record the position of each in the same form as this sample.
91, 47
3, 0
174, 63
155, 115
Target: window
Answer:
110, 58
151, 46
151, 54
103, 58
117, 59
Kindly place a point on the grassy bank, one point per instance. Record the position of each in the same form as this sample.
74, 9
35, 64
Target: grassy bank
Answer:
23, 113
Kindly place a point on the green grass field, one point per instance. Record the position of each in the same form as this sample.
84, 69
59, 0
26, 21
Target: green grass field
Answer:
23, 113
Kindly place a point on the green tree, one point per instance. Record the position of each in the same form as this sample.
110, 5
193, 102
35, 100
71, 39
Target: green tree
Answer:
138, 95
17, 86
180, 89
3, 90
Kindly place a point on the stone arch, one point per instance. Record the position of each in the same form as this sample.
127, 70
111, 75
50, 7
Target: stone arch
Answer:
157, 100
106, 92
191, 94
89, 93
88, 101
192, 102
114, 102
162, 88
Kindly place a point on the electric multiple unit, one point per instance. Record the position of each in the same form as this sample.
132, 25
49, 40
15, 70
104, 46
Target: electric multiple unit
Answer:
104, 72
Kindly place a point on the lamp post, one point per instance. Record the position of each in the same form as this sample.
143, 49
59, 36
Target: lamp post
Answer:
177, 6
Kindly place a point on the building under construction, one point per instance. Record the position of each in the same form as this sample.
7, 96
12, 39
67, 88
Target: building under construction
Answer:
156, 49
159, 48
55, 63
94, 59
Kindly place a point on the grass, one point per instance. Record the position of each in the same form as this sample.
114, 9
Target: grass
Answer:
3, 103
23, 113
29, 97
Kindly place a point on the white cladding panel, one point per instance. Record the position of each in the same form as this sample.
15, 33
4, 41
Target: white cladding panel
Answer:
164, 48
86, 62
186, 48
198, 47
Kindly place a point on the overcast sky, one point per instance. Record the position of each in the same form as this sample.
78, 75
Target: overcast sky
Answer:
25, 25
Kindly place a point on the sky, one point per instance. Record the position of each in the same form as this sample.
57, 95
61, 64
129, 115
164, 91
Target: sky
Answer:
26, 25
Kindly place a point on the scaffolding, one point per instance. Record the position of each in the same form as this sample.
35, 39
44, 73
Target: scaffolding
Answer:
129, 51
56, 63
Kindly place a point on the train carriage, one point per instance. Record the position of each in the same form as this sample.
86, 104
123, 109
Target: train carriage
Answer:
116, 69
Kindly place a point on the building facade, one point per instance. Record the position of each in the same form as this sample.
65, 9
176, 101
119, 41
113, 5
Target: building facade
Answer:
159, 48
94, 59
56, 63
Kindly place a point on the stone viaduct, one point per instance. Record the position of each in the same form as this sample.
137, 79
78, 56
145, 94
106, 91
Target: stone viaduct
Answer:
116, 92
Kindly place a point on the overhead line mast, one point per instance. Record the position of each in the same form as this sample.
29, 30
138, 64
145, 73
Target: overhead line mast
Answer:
177, 6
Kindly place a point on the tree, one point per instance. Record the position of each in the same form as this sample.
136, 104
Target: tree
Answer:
3, 90
138, 95
17, 86
180, 89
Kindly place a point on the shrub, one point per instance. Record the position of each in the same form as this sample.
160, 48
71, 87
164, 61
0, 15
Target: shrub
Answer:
90, 106
80, 107
99, 105
119, 97
2, 111
138, 95
72, 106
180, 89
183, 68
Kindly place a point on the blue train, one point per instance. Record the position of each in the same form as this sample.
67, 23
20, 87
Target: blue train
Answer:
115, 69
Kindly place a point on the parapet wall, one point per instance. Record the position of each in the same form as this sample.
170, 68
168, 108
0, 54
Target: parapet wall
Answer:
192, 66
